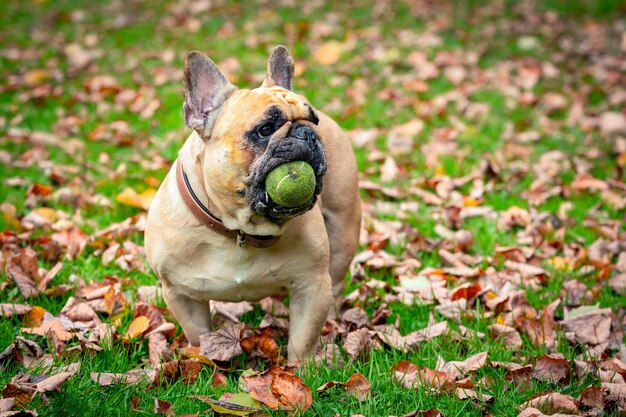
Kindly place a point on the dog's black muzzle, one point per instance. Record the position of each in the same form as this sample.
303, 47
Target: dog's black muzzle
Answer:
299, 143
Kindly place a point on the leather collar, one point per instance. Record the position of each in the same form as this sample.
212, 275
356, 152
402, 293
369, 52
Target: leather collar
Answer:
204, 216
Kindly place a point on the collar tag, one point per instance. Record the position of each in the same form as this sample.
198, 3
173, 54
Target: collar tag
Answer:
241, 239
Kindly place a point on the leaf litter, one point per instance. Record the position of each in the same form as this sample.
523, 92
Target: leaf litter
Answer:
418, 167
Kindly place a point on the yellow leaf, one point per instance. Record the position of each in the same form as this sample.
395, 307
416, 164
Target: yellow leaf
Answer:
9, 214
36, 76
471, 202
109, 300
328, 53
238, 404
47, 213
137, 327
131, 198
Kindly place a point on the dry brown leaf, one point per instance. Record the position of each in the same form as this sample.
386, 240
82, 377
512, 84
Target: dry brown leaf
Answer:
425, 334
131, 377
21, 350
464, 393
9, 310
53, 382
541, 331
618, 283
553, 403
232, 311
410, 375
358, 386
153, 313
356, 316
592, 328
587, 182
593, 398
358, 343
533, 412
22, 268
514, 216
80, 312
552, 369
158, 348
223, 344
616, 393
53, 325
278, 388
219, 380
263, 344
458, 368
509, 336
271, 305
164, 408
6, 404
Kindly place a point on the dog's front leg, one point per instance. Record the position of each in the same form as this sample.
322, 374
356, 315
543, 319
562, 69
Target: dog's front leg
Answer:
193, 316
308, 308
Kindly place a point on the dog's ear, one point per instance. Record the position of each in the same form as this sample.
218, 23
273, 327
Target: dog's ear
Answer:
205, 89
280, 69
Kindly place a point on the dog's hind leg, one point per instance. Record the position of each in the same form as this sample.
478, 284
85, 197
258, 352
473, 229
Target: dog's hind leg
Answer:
343, 229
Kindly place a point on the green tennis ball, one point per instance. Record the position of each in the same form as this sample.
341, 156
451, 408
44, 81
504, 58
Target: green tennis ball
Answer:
291, 184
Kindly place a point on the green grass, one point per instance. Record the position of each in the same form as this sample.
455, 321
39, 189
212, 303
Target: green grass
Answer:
132, 45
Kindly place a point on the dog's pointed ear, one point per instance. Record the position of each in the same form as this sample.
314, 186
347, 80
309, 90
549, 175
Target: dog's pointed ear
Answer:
205, 89
280, 69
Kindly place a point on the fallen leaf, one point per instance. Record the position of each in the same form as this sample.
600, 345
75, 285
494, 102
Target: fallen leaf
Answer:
131, 198
553, 403
223, 344
458, 368
131, 377
551, 369
592, 328
53, 325
358, 343
356, 316
137, 327
358, 386
593, 398
278, 389
464, 393
22, 268
237, 404
328, 53
263, 344
164, 408
618, 283
509, 336
10, 310
616, 393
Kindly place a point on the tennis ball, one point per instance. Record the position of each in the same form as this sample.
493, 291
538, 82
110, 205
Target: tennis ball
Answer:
291, 184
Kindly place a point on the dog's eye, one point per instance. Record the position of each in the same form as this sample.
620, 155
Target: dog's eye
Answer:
266, 130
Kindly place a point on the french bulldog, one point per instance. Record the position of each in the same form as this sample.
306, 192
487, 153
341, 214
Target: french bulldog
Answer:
213, 233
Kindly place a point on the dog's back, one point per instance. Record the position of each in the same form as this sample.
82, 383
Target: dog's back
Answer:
340, 202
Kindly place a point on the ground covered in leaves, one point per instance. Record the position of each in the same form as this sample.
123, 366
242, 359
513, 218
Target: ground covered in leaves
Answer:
491, 144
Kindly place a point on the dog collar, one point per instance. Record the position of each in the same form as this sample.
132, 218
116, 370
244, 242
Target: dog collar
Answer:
204, 216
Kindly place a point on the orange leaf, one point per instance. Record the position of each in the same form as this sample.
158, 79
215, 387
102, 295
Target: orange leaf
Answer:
137, 327
131, 198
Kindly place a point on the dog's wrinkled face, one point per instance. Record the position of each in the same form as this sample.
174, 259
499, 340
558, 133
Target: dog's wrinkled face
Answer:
259, 130
248, 133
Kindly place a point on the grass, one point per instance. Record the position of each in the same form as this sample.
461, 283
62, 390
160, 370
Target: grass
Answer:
133, 52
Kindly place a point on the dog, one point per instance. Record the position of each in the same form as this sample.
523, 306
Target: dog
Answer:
213, 233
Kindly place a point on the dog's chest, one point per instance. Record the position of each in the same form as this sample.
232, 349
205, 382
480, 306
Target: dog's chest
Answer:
233, 275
